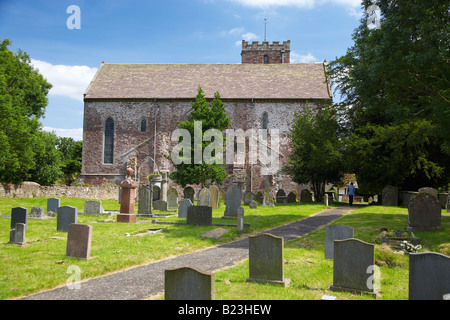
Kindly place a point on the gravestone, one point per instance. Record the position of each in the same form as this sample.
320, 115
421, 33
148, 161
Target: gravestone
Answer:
66, 215
199, 216
429, 190
93, 207
53, 204
268, 200
240, 219
335, 232
234, 197
266, 259
248, 197
182, 208
19, 215
291, 197
429, 276
214, 197
79, 240
145, 200
305, 196
37, 212
203, 197
188, 283
156, 190
253, 204
222, 194
353, 266
424, 212
128, 187
330, 196
259, 197
389, 196
172, 198
281, 196
17, 235
448, 203
188, 193
325, 199
160, 205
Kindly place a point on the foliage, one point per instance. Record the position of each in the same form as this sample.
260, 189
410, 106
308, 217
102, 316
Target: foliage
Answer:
316, 157
71, 157
396, 95
23, 99
211, 117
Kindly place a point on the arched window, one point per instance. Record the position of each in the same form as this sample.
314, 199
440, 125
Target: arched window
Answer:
143, 124
108, 154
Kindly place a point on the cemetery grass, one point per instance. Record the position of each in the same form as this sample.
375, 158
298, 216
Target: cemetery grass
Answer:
312, 275
41, 263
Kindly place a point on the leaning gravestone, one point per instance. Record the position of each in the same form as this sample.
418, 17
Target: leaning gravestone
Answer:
188, 283
203, 197
17, 235
79, 240
253, 204
335, 232
268, 200
182, 208
53, 204
214, 197
305, 196
353, 265
424, 212
429, 276
172, 198
37, 212
65, 216
93, 207
199, 216
266, 261
233, 202
19, 215
389, 196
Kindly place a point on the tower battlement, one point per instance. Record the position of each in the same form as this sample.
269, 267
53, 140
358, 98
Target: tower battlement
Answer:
266, 52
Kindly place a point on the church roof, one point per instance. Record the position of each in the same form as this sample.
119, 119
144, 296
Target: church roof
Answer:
233, 81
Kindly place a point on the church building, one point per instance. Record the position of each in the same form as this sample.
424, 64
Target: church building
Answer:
131, 110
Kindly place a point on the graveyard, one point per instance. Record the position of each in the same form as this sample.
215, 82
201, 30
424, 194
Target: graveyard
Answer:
42, 260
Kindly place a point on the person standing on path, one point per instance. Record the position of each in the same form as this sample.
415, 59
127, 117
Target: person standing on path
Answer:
351, 192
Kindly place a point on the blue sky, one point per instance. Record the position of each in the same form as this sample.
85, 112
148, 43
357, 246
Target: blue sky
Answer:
173, 31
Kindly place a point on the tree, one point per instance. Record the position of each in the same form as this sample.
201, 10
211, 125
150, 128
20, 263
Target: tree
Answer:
23, 99
316, 156
202, 120
395, 88
71, 157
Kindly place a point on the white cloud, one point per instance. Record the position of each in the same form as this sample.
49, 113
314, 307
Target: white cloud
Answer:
76, 134
249, 36
295, 3
298, 58
69, 81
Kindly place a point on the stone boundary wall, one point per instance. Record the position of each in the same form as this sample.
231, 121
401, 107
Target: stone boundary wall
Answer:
107, 191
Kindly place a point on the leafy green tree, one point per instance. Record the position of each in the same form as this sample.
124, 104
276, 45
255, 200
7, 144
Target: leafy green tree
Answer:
71, 157
396, 96
208, 117
317, 155
23, 99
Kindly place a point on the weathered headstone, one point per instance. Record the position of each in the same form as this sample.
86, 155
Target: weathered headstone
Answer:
203, 197
248, 197
353, 266
291, 197
281, 196
188, 283
429, 190
429, 276
188, 193
172, 198
268, 200
305, 196
214, 197
253, 204
240, 219
266, 259
66, 215
160, 205
156, 190
424, 212
145, 200
259, 197
79, 240
19, 215
17, 235
199, 216
93, 207
389, 196
37, 212
234, 197
53, 204
182, 208
335, 232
